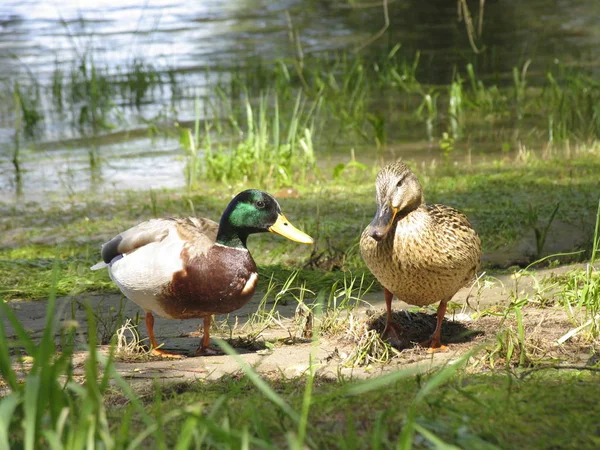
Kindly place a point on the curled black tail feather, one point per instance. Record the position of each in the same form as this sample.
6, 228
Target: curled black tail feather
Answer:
110, 250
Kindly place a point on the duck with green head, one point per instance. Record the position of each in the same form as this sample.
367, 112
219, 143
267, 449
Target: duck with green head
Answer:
421, 253
189, 268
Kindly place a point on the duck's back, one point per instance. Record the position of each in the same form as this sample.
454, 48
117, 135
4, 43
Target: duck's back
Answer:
432, 252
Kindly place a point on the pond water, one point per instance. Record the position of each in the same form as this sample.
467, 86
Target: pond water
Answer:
203, 41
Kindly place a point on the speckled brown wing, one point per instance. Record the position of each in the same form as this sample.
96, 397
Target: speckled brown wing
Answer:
454, 244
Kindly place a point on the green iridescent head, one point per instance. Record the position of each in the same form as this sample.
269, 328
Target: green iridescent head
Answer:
254, 211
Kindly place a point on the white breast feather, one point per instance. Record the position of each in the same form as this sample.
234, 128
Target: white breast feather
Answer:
250, 284
141, 274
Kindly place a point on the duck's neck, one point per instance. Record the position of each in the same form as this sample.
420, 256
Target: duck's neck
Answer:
231, 237
411, 207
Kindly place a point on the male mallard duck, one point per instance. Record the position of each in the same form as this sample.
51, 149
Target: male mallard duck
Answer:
193, 268
421, 253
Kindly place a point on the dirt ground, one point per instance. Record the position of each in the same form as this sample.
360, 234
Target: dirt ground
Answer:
289, 353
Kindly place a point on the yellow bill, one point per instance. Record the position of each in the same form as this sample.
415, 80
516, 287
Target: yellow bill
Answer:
284, 228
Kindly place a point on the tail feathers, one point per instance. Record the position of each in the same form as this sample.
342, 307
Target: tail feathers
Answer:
100, 265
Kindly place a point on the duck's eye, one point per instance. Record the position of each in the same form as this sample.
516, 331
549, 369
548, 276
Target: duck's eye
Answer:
400, 182
260, 204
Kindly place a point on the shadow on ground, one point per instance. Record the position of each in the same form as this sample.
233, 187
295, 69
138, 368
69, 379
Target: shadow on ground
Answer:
419, 326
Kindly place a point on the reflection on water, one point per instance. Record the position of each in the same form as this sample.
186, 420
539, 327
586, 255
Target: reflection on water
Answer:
37, 37
121, 166
181, 34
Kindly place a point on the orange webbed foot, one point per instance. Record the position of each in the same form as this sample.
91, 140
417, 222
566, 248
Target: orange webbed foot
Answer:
165, 354
434, 346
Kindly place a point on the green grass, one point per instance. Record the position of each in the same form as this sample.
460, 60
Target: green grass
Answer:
273, 152
266, 124
445, 407
455, 406
377, 99
497, 197
545, 411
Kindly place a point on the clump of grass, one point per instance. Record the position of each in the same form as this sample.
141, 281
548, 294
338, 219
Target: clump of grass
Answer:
267, 315
127, 342
341, 302
511, 347
540, 230
49, 408
369, 348
109, 320
571, 105
28, 115
336, 314
90, 93
139, 82
455, 108
263, 156
580, 290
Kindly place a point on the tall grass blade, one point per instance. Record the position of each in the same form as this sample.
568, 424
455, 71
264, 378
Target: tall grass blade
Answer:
23, 337
445, 374
596, 240
407, 435
259, 382
437, 443
306, 401
6, 370
31, 410
187, 433
8, 405
375, 384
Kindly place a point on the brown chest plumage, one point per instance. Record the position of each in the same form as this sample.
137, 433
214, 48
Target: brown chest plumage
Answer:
218, 282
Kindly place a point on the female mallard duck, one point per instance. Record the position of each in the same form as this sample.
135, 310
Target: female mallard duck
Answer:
193, 268
421, 253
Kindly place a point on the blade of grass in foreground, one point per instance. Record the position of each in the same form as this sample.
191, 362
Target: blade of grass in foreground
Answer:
31, 413
596, 241
445, 374
405, 440
8, 405
382, 381
436, 441
6, 370
259, 382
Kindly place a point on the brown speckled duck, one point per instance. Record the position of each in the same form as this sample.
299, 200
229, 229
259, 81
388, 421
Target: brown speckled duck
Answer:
421, 253
193, 267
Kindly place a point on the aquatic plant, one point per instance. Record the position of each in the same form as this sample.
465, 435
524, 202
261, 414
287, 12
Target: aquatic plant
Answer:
572, 107
28, 114
269, 153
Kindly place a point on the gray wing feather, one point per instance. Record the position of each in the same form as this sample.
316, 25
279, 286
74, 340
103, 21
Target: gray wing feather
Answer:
155, 230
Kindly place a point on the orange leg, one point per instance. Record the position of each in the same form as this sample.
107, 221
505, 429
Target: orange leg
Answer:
154, 345
204, 348
391, 330
435, 342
